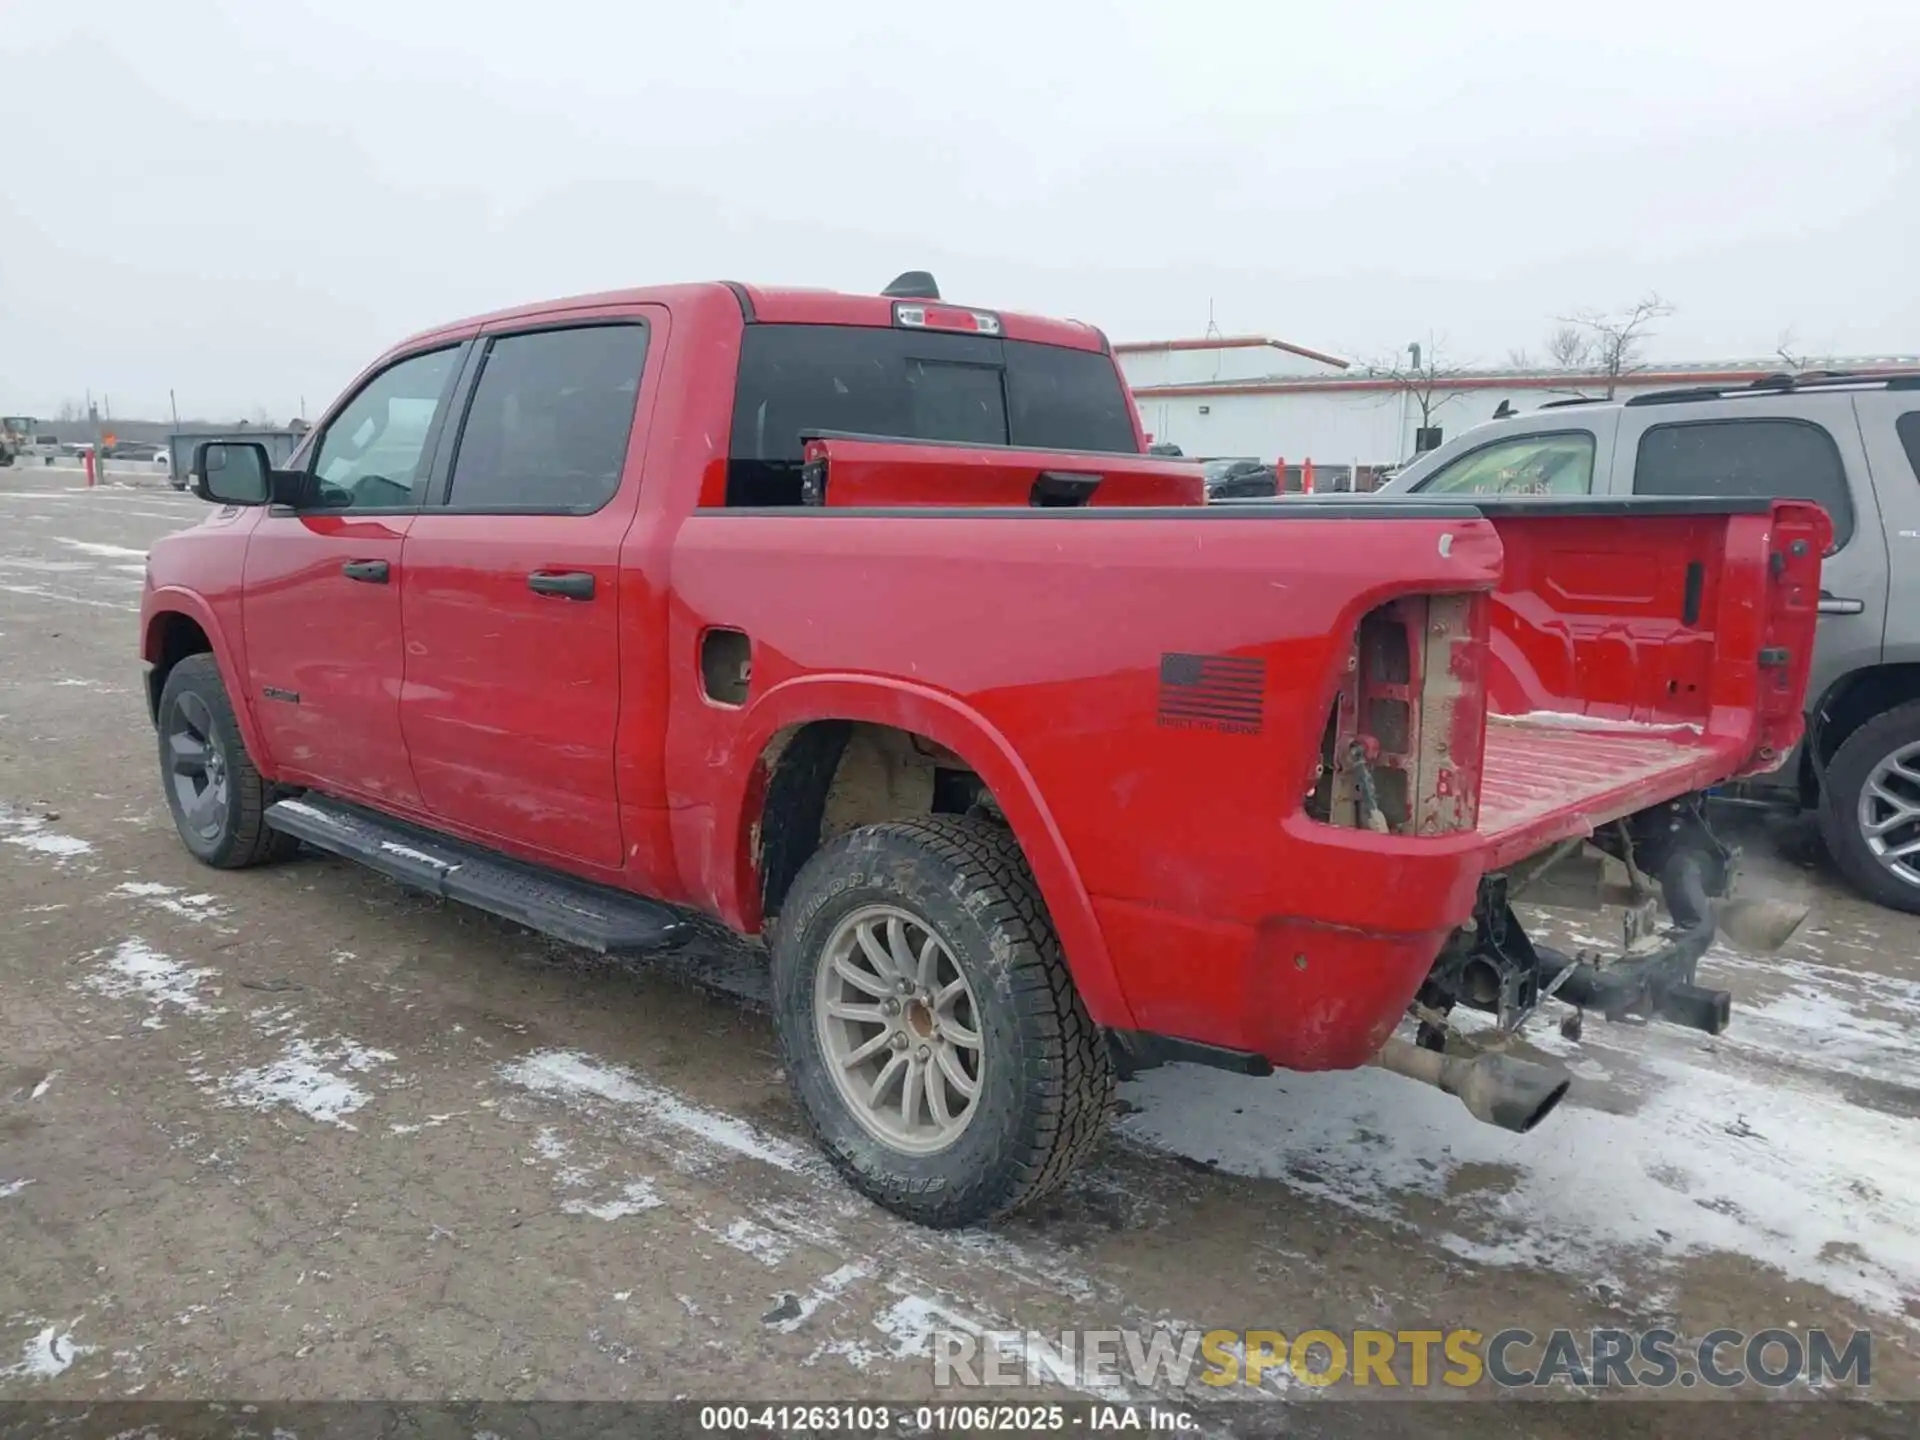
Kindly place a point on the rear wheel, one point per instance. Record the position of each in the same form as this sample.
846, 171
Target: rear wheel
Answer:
931, 1032
1870, 808
217, 797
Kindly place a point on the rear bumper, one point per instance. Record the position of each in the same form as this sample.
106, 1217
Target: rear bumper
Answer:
1301, 995
1325, 992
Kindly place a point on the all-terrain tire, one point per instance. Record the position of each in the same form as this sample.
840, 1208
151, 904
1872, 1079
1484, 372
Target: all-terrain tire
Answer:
1046, 1087
238, 835
1841, 787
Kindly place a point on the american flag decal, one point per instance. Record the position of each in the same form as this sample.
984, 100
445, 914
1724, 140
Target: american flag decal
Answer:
1212, 692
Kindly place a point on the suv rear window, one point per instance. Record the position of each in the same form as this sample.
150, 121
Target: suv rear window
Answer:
914, 385
1777, 459
1909, 427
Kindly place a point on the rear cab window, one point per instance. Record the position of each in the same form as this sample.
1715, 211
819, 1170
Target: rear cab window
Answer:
1773, 458
1908, 427
797, 380
1558, 462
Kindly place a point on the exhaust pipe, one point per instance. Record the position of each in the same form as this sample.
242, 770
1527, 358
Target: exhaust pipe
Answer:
1514, 1094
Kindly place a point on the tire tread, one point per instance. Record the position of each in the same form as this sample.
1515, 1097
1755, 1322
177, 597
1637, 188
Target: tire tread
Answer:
1070, 1075
254, 842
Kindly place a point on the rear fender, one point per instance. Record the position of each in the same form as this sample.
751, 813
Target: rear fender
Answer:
946, 721
171, 600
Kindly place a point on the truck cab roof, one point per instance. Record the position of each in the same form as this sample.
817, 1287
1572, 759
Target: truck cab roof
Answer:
795, 305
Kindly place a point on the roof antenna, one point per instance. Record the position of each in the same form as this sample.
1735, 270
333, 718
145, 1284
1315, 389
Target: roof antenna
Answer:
913, 285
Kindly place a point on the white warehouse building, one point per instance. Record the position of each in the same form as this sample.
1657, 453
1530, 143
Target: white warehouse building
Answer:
1261, 398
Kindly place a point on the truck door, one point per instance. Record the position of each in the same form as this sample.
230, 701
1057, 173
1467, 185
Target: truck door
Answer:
323, 581
1810, 451
512, 695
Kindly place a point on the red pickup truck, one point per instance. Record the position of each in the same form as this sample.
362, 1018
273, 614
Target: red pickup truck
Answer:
865, 623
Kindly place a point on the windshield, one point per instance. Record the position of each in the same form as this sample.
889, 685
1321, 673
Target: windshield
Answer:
915, 385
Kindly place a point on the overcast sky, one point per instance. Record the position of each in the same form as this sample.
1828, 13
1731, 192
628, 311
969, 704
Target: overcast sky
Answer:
245, 201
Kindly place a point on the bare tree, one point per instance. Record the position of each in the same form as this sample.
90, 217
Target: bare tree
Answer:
1606, 343
1520, 358
1425, 375
69, 412
1787, 350
1569, 347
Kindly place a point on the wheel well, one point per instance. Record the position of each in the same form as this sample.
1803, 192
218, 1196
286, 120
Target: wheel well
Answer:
828, 776
1857, 698
175, 637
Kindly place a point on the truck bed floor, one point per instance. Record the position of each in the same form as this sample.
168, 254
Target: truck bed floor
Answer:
1549, 777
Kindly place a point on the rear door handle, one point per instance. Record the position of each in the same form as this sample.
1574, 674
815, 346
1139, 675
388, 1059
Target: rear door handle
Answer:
573, 584
374, 572
1834, 605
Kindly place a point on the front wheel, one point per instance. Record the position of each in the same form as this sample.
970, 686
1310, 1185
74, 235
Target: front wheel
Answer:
1870, 808
217, 797
931, 1032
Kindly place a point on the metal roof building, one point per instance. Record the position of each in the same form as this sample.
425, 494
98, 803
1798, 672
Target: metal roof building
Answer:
1269, 399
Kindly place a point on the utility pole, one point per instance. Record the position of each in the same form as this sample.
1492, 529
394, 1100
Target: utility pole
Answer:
174, 406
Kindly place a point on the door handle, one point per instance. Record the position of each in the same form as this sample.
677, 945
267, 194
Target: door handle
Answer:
1834, 605
374, 572
573, 584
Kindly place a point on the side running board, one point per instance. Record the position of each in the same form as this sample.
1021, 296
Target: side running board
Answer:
595, 917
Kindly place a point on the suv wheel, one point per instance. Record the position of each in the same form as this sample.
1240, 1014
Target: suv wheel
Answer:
930, 1030
1870, 808
216, 795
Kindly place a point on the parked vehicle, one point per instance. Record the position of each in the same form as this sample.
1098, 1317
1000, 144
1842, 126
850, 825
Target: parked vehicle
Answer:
1239, 479
16, 435
1850, 443
864, 624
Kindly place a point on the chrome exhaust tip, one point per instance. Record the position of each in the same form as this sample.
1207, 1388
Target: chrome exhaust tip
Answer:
1500, 1090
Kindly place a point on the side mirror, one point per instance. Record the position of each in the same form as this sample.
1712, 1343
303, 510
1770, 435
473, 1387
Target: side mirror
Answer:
232, 472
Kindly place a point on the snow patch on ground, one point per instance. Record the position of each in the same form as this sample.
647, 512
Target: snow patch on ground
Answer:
635, 1196
761, 1243
136, 969
570, 1076
10, 1188
30, 832
548, 1146
829, 1287
1710, 1160
167, 898
432, 1122
310, 1077
47, 1354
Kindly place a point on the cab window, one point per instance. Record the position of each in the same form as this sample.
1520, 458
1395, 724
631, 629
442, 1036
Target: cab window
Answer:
374, 449
1560, 463
551, 416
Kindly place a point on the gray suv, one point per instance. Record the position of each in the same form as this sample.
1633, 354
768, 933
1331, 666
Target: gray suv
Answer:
1849, 442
